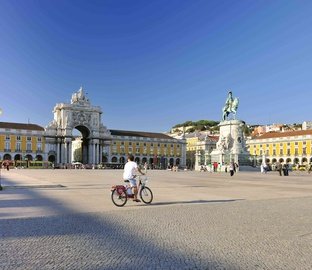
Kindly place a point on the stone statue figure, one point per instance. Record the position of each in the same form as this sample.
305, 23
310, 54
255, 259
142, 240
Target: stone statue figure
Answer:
231, 105
80, 98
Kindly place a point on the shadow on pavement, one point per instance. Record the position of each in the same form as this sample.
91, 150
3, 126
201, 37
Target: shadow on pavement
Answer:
114, 240
195, 202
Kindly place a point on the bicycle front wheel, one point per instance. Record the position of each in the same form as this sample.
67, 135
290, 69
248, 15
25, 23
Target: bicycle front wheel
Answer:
119, 199
146, 195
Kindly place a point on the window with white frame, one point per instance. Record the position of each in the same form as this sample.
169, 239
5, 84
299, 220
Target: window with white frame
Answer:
28, 146
39, 146
7, 145
304, 151
18, 146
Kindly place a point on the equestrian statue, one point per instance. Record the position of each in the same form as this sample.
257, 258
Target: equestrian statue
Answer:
231, 105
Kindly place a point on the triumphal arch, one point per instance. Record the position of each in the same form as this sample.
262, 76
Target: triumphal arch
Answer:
79, 114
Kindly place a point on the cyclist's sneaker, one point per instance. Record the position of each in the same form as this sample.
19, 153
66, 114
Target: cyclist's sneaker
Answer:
137, 200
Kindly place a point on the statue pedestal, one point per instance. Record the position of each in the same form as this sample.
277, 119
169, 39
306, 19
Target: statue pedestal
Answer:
231, 145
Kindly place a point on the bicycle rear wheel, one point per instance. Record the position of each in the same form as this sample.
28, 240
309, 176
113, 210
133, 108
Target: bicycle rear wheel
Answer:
119, 199
146, 195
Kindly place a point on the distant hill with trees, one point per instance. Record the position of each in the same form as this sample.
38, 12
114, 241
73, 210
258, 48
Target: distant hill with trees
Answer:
200, 125
203, 125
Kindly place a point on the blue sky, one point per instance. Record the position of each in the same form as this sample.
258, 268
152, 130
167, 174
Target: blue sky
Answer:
153, 64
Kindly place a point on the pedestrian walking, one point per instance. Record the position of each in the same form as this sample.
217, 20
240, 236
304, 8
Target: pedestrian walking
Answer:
215, 166
279, 168
285, 169
231, 168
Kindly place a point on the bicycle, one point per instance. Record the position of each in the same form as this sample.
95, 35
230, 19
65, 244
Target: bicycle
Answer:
121, 193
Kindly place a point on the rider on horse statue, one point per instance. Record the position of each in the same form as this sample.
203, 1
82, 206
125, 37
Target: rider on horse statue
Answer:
231, 105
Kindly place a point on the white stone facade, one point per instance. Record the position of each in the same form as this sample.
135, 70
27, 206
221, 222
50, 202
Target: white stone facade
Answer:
81, 115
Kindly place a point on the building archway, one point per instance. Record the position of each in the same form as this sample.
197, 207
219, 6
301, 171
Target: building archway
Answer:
144, 160
288, 160
114, 159
281, 160
7, 157
18, 157
29, 157
122, 160
274, 160
171, 162
177, 161
304, 160
80, 142
51, 158
137, 160
296, 160
39, 158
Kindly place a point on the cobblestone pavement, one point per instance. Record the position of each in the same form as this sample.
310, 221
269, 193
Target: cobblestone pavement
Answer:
200, 224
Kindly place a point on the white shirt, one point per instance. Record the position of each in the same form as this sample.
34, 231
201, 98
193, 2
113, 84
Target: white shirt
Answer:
130, 170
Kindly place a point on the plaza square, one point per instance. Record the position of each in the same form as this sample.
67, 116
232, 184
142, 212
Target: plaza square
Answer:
65, 219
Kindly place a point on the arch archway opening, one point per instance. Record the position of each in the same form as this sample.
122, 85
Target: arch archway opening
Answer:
17, 157
51, 158
80, 143
28, 157
7, 157
39, 158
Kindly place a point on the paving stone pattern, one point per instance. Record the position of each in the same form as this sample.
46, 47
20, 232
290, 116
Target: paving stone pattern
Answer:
64, 219
271, 234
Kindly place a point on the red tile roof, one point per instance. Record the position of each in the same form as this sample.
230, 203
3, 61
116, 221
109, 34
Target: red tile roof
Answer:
140, 134
269, 135
21, 126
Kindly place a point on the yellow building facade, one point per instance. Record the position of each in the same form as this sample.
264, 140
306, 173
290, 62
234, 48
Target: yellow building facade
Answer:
294, 147
21, 142
192, 142
156, 149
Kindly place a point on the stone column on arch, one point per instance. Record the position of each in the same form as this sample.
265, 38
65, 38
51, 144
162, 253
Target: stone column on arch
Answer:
70, 150
58, 152
101, 153
90, 151
67, 153
63, 152
93, 152
96, 153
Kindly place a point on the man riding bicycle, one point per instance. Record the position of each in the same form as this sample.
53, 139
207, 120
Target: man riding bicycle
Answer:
129, 174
